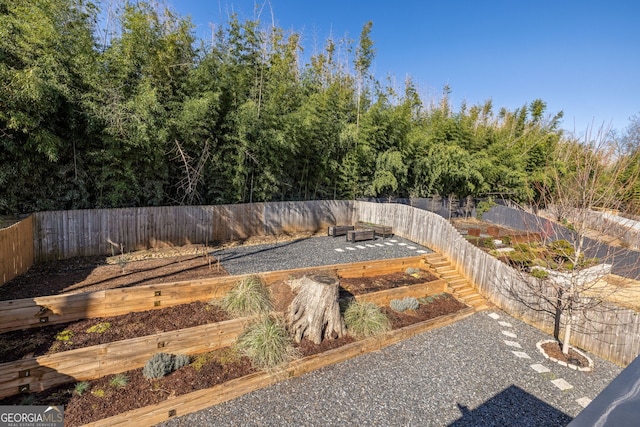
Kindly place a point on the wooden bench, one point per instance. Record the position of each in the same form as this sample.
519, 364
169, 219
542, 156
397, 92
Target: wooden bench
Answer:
359, 235
339, 230
380, 230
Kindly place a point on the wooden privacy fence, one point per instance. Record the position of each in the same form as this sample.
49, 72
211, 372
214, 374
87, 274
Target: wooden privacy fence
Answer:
66, 234
611, 333
16, 249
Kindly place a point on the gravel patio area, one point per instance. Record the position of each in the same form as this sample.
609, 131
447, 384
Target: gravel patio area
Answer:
476, 372
313, 252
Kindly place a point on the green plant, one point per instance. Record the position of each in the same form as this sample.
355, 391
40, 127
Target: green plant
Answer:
119, 381
266, 343
489, 243
406, 303
248, 297
98, 393
365, 319
539, 273
561, 250
162, 364
506, 240
65, 336
484, 206
99, 328
81, 387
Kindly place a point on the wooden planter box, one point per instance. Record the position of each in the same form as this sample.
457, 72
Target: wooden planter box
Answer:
43, 372
380, 230
493, 231
201, 399
56, 309
339, 230
360, 235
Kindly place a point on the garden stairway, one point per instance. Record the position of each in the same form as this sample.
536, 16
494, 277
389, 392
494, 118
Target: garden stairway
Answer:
461, 288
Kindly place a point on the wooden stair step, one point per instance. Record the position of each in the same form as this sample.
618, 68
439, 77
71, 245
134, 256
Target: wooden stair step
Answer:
458, 286
465, 292
473, 299
451, 275
444, 269
459, 281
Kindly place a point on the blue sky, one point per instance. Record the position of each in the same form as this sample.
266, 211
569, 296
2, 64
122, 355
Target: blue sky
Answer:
580, 57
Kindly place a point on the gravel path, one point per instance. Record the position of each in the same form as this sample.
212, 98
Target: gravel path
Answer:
313, 252
464, 374
459, 375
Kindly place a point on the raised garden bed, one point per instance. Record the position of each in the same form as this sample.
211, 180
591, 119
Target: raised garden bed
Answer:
190, 389
34, 372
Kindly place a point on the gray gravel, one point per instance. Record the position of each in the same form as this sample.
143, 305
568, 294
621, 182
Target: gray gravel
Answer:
463, 374
312, 252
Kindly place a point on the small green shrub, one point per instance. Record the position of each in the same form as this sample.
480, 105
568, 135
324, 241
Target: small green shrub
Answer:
488, 243
248, 297
539, 274
561, 250
365, 319
119, 381
98, 393
404, 304
99, 328
506, 240
162, 364
81, 387
267, 344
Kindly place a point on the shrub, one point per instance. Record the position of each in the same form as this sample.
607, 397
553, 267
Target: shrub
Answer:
267, 344
506, 240
248, 297
561, 250
365, 319
489, 243
406, 303
484, 206
162, 364
539, 274
65, 336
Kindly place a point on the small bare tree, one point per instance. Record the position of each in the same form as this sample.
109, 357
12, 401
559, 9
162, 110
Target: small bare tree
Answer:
564, 280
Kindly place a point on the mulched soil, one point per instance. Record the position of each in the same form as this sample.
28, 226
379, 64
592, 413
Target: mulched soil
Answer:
102, 399
363, 285
39, 341
441, 304
553, 349
91, 274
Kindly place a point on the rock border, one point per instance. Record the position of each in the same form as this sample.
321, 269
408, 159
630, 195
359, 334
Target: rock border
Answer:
563, 363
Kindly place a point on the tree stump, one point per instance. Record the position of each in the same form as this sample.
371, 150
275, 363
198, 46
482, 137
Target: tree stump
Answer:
315, 313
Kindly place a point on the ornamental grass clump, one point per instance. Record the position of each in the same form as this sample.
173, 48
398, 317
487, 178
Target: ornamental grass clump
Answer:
267, 344
249, 297
404, 304
365, 319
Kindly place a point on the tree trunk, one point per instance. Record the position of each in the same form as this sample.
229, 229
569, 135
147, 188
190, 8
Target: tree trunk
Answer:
567, 335
315, 313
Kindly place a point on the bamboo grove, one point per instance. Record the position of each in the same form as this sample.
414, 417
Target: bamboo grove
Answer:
141, 113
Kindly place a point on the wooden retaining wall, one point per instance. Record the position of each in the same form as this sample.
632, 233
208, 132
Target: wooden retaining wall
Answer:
56, 309
67, 234
16, 249
612, 333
